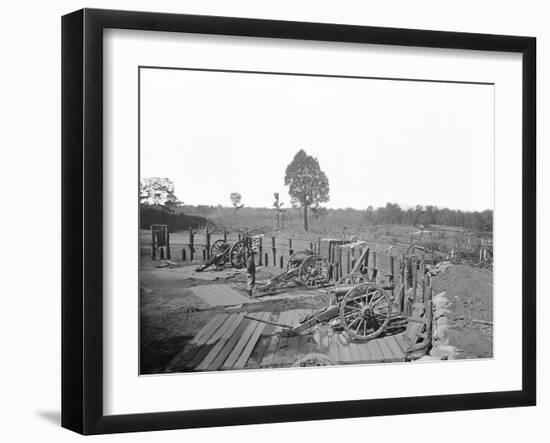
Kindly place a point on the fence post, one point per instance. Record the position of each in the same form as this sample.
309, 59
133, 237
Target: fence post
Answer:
414, 277
274, 250
191, 244
224, 235
290, 250
340, 269
423, 277
281, 261
153, 248
168, 253
406, 284
183, 254
429, 314
266, 259
348, 260
319, 246
374, 270
392, 276
260, 250
203, 254
207, 243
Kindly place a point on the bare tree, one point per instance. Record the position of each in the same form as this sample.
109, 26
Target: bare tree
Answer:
236, 198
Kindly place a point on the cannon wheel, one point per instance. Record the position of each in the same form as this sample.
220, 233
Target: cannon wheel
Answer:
365, 311
237, 254
313, 271
217, 247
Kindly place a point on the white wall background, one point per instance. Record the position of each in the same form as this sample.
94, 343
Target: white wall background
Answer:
30, 186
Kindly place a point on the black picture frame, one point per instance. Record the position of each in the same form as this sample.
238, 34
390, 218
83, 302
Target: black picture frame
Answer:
82, 218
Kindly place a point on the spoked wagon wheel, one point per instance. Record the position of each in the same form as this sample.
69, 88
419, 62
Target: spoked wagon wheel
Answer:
237, 254
313, 271
365, 311
217, 247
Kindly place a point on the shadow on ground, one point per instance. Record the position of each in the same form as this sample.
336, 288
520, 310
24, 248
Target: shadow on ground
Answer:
53, 417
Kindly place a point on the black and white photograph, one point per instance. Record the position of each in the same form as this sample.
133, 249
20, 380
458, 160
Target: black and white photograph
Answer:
295, 219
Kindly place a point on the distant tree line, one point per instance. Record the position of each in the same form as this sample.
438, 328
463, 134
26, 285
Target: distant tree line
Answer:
393, 214
175, 221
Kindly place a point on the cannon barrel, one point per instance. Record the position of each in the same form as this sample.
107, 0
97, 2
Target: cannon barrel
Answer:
212, 260
342, 290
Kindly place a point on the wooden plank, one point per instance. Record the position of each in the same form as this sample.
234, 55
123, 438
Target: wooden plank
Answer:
323, 346
236, 352
306, 345
280, 353
394, 346
333, 349
222, 329
227, 295
291, 351
343, 349
354, 352
229, 345
235, 322
255, 359
208, 294
401, 342
204, 328
202, 352
386, 351
220, 318
273, 344
374, 351
241, 362
363, 352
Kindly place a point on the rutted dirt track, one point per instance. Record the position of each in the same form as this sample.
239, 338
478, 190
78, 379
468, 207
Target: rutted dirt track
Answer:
470, 320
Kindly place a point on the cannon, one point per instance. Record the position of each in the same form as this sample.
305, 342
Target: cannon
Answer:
222, 252
364, 311
363, 307
304, 268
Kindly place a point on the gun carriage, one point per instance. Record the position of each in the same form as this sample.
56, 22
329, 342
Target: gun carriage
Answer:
223, 253
363, 307
303, 267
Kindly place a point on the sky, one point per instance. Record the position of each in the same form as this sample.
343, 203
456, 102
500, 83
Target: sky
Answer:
378, 141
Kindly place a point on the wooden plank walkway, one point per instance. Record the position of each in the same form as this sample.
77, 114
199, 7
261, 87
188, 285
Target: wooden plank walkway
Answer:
221, 295
239, 341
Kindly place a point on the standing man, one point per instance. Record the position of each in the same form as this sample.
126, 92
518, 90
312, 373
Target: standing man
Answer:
251, 273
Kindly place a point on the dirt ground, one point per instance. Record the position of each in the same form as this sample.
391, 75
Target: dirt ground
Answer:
470, 293
171, 315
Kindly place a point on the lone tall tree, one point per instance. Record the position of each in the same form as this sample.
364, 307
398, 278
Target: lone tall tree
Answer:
236, 198
307, 184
